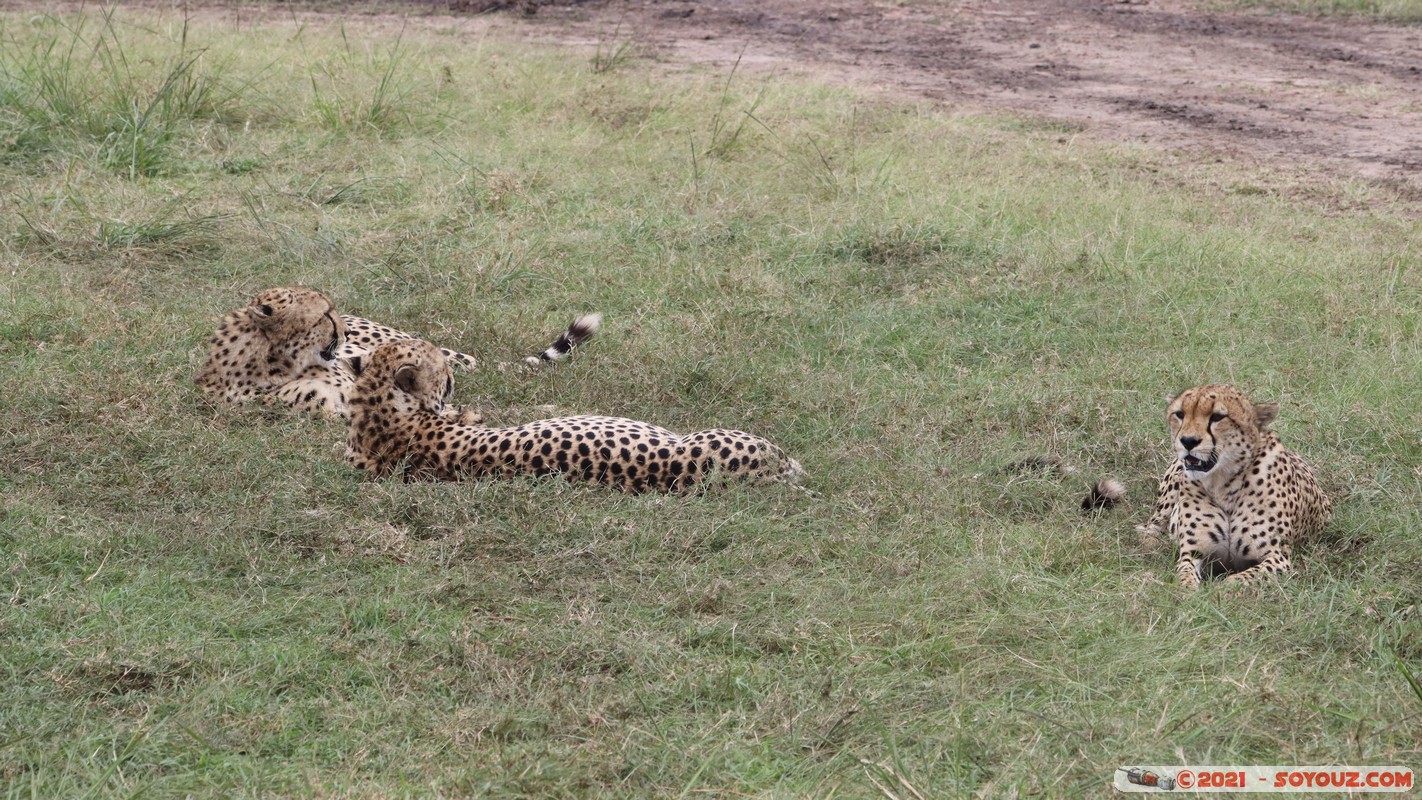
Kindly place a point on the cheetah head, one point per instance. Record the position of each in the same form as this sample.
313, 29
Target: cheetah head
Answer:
281, 333
410, 374
1215, 427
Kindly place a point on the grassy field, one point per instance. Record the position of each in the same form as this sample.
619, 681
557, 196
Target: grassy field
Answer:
203, 601
1396, 10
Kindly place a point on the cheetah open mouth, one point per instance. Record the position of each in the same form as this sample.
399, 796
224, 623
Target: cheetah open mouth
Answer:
1194, 463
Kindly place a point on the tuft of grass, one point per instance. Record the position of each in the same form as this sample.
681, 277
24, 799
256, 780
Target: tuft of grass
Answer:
74, 80
160, 229
612, 52
363, 89
206, 601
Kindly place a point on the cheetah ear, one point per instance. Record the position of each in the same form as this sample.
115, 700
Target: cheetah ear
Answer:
1170, 399
263, 315
406, 378
1264, 413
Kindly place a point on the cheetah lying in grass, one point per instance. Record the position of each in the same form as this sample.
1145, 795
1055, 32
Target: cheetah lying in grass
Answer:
399, 421
1234, 499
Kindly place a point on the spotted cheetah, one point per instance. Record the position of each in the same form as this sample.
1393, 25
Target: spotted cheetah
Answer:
1234, 499
398, 421
289, 346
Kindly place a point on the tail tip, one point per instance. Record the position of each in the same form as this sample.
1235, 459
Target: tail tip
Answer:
587, 324
582, 329
793, 471
1105, 494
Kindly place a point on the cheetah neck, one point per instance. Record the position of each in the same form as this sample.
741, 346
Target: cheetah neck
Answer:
1223, 483
403, 406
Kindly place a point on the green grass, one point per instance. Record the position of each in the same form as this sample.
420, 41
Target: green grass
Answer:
1392, 10
207, 602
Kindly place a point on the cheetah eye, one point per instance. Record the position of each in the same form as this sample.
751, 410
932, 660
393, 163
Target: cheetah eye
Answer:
1179, 413
1217, 416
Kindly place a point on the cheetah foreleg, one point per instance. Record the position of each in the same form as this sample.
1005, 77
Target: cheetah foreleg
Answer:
1187, 569
313, 395
1154, 534
1276, 563
463, 415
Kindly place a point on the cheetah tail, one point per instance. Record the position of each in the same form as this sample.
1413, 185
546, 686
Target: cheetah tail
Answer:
1105, 494
793, 472
580, 331
793, 475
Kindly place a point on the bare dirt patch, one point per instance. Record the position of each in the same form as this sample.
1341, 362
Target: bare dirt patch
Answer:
1336, 93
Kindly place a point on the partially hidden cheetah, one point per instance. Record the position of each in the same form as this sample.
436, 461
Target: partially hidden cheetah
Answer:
398, 421
290, 346
1234, 500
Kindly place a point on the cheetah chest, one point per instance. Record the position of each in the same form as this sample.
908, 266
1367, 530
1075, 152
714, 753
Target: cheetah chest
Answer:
1233, 524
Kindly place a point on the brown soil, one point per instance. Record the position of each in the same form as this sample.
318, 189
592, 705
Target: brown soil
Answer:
1341, 94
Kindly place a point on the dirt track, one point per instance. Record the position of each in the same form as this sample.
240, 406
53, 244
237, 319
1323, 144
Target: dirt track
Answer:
1337, 94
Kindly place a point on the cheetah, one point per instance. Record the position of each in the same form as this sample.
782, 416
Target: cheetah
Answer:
398, 420
290, 347
1234, 499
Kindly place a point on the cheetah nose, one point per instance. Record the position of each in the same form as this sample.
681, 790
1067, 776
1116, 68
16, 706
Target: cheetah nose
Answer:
1189, 442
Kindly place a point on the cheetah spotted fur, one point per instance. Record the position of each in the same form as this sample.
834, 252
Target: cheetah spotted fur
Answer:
398, 422
1234, 500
